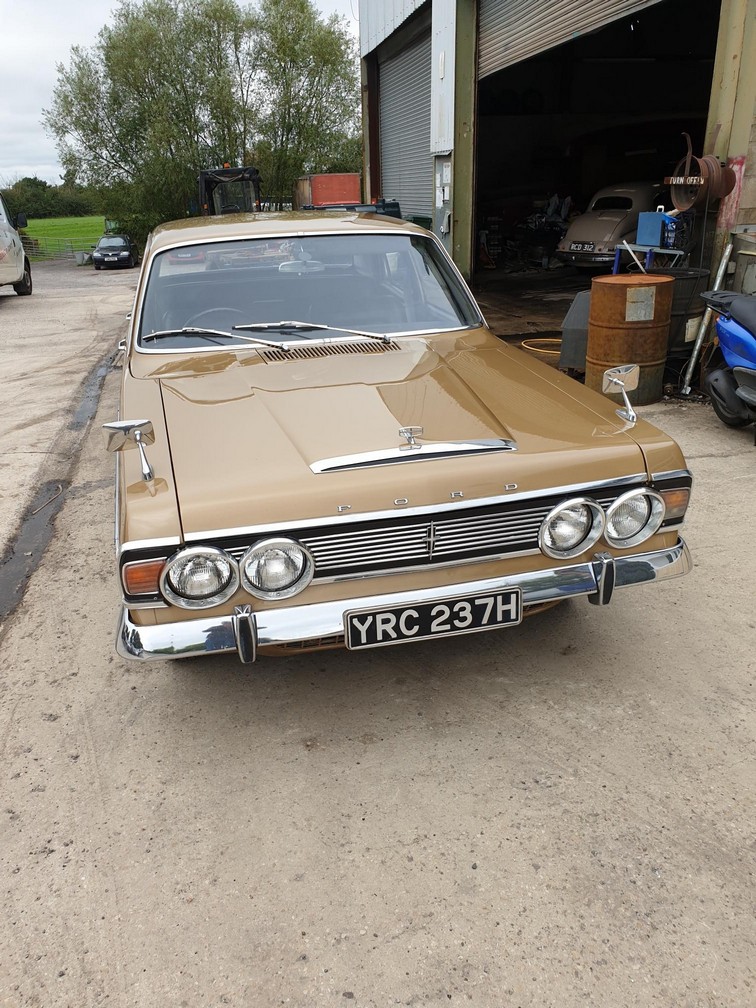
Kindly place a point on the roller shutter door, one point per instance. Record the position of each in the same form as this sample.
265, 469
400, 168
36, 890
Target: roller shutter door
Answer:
514, 30
405, 128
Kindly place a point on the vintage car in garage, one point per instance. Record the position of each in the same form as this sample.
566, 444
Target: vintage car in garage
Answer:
610, 218
321, 444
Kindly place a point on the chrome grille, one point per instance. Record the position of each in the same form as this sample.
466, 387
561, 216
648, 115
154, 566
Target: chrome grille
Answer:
364, 548
349, 550
426, 542
483, 533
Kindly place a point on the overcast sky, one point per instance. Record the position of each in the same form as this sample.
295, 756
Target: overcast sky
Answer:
35, 36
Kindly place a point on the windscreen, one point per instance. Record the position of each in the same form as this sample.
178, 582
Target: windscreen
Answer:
378, 283
612, 203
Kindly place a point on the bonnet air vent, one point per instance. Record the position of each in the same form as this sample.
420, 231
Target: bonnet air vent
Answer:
305, 352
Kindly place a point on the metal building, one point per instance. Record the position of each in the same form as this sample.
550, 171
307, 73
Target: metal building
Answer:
474, 103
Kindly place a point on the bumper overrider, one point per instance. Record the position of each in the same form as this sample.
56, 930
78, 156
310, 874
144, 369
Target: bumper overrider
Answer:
245, 632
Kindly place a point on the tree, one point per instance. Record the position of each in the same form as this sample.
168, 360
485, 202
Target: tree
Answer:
32, 195
309, 94
37, 198
162, 93
173, 86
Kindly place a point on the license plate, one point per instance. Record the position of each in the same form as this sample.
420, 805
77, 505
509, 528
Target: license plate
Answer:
581, 246
110, 258
368, 628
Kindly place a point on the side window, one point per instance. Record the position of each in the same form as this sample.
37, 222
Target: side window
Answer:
4, 215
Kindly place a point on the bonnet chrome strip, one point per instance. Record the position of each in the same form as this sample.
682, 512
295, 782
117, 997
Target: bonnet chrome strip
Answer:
412, 452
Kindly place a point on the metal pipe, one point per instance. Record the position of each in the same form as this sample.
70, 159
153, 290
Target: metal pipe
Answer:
685, 390
637, 260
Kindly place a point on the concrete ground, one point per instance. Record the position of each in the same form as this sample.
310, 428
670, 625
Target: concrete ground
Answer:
559, 814
51, 345
533, 303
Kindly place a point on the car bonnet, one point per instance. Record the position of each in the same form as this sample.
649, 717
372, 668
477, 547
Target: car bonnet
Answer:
247, 439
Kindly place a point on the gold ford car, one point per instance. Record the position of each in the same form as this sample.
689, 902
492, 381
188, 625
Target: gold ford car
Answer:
329, 448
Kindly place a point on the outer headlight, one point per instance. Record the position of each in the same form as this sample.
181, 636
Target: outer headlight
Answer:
276, 568
634, 517
571, 528
199, 577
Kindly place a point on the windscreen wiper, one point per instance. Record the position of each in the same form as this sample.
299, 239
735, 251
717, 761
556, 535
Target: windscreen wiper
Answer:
210, 334
303, 326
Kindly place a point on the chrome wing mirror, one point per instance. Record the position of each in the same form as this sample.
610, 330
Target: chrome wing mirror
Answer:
122, 434
622, 379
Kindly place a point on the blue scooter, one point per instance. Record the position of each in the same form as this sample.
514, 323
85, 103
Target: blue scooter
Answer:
730, 376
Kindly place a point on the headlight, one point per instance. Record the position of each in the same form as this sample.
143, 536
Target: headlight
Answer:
634, 517
199, 577
276, 569
571, 528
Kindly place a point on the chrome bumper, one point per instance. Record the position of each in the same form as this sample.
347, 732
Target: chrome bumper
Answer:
245, 631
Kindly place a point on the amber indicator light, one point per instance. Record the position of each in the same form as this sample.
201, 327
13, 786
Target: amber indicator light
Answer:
676, 502
142, 576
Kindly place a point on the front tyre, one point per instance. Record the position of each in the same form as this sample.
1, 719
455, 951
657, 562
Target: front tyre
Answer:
24, 285
721, 388
728, 418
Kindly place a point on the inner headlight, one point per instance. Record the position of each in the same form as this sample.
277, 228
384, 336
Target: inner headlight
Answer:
634, 517
199, 577
276, 568
571, 528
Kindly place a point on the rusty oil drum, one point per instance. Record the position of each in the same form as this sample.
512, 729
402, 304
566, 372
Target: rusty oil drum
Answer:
629, 324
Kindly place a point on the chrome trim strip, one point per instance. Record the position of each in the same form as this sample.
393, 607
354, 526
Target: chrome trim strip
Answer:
168, 544
458, 505
342, 578
292, 624
673, 474
116, 510
412, 452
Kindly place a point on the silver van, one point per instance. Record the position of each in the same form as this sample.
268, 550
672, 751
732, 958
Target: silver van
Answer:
14, 263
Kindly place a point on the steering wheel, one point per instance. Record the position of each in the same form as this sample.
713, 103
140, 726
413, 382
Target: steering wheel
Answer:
225, 316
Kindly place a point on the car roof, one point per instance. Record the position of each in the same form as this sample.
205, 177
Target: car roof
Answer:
246, 225
631, 189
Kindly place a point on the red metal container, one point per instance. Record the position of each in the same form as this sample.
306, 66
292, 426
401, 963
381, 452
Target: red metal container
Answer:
333, 189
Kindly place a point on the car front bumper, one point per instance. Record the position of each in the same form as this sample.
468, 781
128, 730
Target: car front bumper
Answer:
586, 258
245, 632
122, 260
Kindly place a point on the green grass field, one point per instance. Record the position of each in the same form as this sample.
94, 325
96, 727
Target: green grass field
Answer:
77, 228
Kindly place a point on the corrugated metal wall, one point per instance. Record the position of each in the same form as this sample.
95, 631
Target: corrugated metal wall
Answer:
405, 128
379, 18
443, 29
511, 31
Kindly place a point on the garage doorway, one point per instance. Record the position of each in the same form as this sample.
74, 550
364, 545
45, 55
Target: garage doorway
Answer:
611, 106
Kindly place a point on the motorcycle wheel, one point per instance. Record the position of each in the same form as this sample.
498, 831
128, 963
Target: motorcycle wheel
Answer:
730, 419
